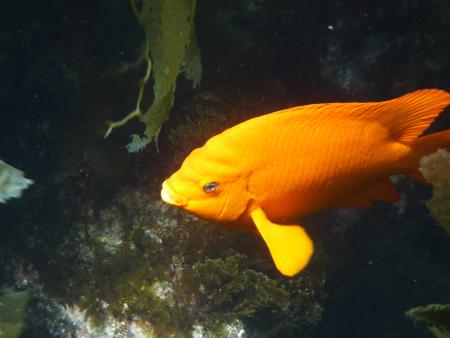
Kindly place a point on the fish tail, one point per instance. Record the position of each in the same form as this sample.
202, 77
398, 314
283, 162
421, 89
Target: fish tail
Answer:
426, 145
430, 143
411, 115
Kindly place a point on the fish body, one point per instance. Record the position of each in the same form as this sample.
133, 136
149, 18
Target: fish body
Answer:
269, 171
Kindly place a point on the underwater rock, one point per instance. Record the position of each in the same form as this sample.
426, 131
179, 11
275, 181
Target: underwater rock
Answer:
141, 264
234, 329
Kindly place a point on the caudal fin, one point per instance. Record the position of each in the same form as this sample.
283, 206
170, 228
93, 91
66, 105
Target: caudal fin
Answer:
426, 145
424, 107
430, 143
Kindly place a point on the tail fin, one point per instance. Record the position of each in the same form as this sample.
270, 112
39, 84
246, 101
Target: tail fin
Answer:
426, 145
428, 104
430, 143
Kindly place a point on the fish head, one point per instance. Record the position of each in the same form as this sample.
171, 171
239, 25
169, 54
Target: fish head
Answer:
210, 184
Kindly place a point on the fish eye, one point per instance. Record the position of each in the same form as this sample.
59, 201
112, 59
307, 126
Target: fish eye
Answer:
210, 187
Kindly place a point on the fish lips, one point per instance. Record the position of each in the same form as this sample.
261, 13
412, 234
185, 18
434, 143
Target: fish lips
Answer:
169, 196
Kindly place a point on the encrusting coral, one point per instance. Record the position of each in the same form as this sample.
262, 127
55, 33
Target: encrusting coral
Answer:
436, 170
170, 46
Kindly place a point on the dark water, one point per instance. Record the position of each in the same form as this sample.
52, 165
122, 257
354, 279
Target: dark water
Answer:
90, 238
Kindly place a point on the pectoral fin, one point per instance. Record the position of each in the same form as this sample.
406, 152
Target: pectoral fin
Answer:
290, 246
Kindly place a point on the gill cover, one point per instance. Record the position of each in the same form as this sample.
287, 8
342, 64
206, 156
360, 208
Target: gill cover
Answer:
212, 183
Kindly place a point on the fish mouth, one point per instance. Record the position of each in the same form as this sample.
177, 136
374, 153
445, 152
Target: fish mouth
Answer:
170, 197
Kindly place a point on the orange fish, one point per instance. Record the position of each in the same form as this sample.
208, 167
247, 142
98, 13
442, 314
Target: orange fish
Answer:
271, 170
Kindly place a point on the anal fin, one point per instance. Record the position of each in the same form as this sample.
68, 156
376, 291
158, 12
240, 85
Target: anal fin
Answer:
290, 246
380, 191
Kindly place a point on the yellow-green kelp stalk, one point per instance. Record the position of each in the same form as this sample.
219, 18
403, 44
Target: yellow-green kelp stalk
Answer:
170, 46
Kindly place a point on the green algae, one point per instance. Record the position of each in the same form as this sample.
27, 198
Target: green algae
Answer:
170, 43
12, 312
228, 285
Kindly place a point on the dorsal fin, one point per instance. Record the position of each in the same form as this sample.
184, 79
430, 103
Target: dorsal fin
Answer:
406, 117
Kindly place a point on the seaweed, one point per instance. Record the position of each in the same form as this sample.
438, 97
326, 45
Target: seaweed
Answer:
170, 46
228, 287
12, 312
436, 315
